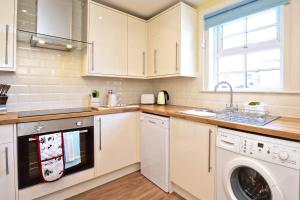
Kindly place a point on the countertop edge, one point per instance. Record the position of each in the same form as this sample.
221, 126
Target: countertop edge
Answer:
284, 127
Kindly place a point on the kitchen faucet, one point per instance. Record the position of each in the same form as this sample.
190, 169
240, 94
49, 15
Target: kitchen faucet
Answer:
231, 107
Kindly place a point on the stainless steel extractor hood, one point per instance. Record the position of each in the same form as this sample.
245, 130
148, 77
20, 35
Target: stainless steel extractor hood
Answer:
43, 42
54, 18
52, 24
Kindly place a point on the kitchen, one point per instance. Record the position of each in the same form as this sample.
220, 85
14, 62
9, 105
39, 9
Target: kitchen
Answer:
212, 85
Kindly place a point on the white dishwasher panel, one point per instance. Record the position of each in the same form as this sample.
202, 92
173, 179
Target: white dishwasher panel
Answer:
155, 143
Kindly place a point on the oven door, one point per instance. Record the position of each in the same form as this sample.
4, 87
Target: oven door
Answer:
28, 168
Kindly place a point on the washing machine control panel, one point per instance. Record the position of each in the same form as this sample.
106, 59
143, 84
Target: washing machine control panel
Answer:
278, 151
272, 152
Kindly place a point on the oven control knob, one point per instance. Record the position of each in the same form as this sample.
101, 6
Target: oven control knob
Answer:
38, 128
79, 123
283, 155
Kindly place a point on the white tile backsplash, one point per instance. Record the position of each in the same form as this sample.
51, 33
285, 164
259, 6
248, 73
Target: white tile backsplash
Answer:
186, 91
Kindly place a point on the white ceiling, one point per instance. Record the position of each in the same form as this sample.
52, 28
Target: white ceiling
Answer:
144, 8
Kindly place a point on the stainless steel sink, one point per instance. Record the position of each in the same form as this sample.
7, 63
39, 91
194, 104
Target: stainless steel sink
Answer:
234, 115
199, 112
257, 118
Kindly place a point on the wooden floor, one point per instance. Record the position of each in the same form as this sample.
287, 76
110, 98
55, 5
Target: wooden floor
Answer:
133, 186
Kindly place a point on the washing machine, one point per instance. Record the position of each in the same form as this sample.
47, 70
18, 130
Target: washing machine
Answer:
255, 167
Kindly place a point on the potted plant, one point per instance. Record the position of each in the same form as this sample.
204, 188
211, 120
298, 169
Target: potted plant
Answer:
95, 98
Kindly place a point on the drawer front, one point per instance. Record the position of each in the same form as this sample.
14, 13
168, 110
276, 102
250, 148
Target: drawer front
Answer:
6, 133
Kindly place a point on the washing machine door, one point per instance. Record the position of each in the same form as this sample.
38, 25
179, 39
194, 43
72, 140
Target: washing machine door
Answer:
246, 179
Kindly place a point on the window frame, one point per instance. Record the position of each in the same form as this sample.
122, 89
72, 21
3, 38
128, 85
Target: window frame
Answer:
218, 52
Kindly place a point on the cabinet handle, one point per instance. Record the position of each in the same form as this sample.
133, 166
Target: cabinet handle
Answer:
100, 134
177, 47
92, 57
6, 43
209, 150
144, 62
6, 161
152, 122
155, 54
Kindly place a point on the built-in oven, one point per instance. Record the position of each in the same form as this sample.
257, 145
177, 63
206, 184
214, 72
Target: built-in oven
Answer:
28, 166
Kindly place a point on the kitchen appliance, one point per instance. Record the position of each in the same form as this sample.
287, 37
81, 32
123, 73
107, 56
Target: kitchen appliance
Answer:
112, 99
52, 112
155, 155
162, 97
147, 99
3, 98
58, 25
256, 167
28, 170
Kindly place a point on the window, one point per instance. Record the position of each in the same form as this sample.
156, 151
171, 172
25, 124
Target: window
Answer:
247, 52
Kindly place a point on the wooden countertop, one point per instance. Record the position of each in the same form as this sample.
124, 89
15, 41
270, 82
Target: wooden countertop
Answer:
9, 118
288, 128
12, 118
284, 127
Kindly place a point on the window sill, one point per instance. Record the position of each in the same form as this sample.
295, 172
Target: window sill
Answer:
253, 92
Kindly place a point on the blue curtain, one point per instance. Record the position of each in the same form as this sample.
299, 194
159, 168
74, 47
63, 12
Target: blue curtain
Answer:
238, 10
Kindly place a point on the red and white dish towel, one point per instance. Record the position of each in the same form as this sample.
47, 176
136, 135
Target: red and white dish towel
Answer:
51, 156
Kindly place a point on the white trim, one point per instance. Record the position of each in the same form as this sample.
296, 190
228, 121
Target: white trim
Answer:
262, 91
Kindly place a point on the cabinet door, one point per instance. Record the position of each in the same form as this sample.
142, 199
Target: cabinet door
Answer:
137, 38
7, 186
7, 34
116, 142
108, 33
193, 157
168, 44
7, 11
153, 41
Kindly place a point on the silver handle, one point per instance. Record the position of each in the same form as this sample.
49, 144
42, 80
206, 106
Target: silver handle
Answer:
100, 134
79, 123
6, 44
177, 46
92, 57
209, 150
6, 160
152, 122
144, 62
155, 54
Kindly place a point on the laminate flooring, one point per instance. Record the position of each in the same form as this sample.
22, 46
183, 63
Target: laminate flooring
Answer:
131, 187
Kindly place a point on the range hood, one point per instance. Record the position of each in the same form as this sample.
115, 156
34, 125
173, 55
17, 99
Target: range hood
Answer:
52, 24
43, 42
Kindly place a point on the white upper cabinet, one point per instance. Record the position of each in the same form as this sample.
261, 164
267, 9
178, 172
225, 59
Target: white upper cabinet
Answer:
7, 35
172, 42
137, 45
125, 46
108, 33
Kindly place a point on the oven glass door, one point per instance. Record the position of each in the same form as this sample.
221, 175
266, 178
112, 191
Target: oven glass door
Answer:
28, 168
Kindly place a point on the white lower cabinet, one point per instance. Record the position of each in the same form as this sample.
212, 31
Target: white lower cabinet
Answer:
193, 157
116, 144
7, 179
